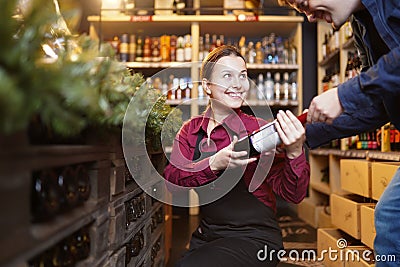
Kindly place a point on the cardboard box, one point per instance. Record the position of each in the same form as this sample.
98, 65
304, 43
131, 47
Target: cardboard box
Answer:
355, 176
346, 213
382, 173
368, 232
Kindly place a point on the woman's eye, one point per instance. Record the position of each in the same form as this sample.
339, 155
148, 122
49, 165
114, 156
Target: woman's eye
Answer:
243, 76
227, 75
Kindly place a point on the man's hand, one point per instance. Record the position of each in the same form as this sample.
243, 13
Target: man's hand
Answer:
325, 107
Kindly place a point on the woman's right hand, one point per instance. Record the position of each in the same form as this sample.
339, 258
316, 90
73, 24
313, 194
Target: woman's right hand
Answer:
226, 158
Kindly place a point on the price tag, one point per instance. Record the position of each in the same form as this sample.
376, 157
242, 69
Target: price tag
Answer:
246, 18
141, 18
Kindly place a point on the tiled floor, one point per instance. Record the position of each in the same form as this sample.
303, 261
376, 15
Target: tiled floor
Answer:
297, 235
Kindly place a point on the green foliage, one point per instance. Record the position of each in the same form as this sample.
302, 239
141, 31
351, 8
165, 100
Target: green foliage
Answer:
83, 87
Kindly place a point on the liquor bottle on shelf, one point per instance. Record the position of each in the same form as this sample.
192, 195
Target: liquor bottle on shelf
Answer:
262, 140
251, 53
285, 86
173, 40
155, 50
269, 87
132, 47
178, 91
129, 7
124, 48
165, 41
180, 52
293, 90
260, 87
292, 53
242, 46
171, 89
277, 86
207, 45
259, 53
147, 49
201, 48
139, 49
188, 48
179, 6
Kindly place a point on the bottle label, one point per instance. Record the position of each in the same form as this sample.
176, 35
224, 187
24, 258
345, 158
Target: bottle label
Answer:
266, 138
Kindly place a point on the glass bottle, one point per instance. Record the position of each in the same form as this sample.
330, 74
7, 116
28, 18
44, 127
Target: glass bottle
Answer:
147, 49
45, 196
83, 183
171, 90
251, 53
206, 45
180, 52
259, 53
285, 86
155, 50
188, 48
139, 49
132, 47
260, 86
242, 46
269, 87
277, 86
165, 48
124, 48
67, 183
173, 48
201, 48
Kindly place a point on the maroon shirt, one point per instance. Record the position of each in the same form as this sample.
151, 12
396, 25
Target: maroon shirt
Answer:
288, 178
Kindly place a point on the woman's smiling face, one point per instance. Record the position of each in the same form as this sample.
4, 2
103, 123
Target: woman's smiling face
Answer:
229, 84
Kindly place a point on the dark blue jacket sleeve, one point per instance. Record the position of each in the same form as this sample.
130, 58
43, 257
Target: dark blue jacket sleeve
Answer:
367, 114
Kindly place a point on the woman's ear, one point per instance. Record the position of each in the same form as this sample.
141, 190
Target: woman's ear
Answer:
205, 83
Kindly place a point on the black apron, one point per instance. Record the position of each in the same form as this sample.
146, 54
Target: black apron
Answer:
229, 222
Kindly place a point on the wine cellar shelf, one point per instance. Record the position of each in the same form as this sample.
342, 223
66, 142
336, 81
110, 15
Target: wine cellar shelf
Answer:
77, 205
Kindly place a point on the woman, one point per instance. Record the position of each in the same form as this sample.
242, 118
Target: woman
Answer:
240, 227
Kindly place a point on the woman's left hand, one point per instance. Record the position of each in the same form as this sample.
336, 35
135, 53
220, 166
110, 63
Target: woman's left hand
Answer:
291, 132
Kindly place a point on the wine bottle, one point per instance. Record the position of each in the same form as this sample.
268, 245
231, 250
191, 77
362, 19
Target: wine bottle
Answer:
262, 140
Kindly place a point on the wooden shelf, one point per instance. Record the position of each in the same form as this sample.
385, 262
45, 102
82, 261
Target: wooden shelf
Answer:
330, 58
389, 156
340, 153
